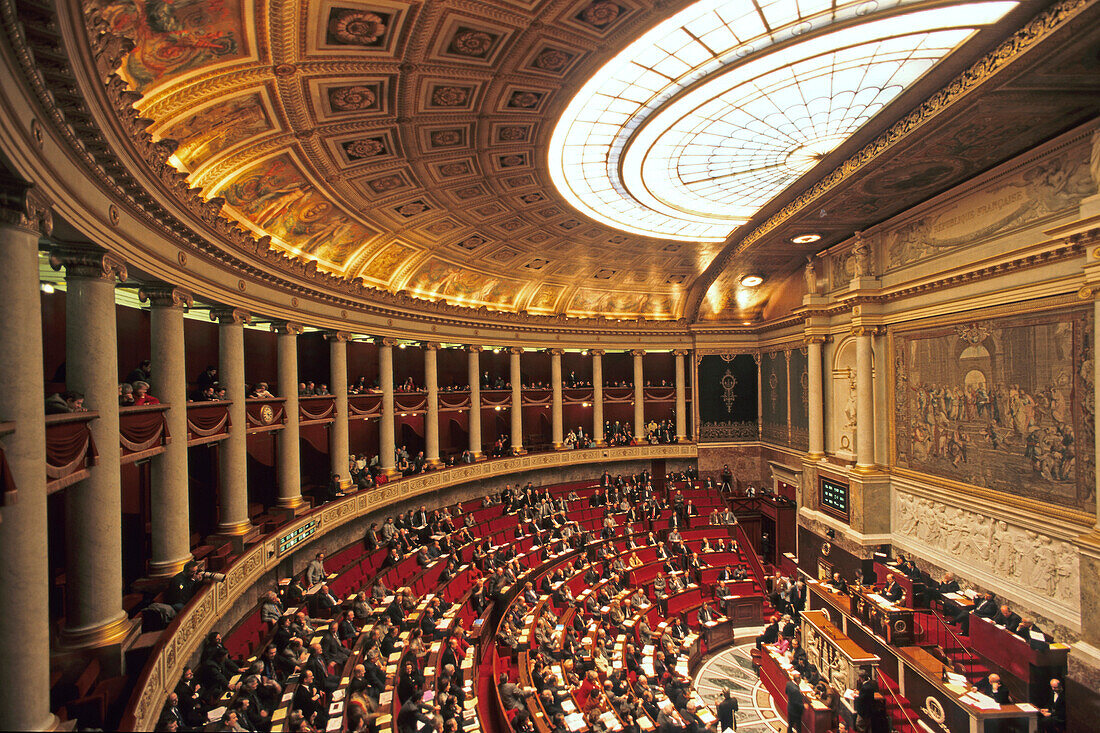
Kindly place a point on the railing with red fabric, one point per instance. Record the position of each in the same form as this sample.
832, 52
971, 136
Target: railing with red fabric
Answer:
265, 414
364, 406
207, 422
70, 450
316, 410
142, 431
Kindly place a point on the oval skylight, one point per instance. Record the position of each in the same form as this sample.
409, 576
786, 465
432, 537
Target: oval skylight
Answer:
696, 125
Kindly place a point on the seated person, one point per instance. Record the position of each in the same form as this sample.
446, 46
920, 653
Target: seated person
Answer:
991, 686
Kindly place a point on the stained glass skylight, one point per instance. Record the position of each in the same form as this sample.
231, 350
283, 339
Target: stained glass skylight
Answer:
696, 125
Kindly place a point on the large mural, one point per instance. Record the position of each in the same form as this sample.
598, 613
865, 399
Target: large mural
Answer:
727, 397
276, 197
799, 397
205, 133
1004, 403
461, 286
176, 36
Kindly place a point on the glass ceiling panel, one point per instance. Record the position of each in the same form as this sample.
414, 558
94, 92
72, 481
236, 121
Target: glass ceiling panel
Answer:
696, 125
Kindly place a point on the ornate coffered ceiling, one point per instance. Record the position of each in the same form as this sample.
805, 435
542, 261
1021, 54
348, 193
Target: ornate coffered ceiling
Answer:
403, 146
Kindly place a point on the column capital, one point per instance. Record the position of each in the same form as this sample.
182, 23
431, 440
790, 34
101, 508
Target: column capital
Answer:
555, 352
287, 327
386, 341
430, 346
681, 352
515, 349
866, 330
637, 352
339, 336
24, 207
815, 339
165, 295
474, 348
87, 262
596, 352
229, 316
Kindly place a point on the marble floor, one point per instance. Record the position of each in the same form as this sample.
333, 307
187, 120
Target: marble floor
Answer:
732, 667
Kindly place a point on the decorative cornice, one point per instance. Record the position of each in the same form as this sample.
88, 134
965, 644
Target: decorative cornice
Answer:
23, 207
230, 316
87, 262
164, 295
287, 328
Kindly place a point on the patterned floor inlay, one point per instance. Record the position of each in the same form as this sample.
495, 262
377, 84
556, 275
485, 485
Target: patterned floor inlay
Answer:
732, 667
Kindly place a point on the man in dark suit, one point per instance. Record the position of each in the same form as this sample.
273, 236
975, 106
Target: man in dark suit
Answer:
1007, 618
1053, 718
986, 608
727, 720
1032, 634
893, 591
993, 687
796, 703
771, 633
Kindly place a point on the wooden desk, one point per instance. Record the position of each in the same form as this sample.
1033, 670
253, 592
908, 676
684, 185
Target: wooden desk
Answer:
816, 717
914, 589
837, 658
892, 622
1034, 667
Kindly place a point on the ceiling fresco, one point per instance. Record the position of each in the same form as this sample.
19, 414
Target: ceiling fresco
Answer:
405, 145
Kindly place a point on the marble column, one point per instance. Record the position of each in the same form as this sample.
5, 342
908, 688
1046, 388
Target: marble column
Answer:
517, 400
473, 373
865, 399
233, 451
681, 396
556, 431
339, 443
598, 436
24, 553
93, 507
289, 465
815, 397
169, 495
387, 442
639, 395
431, 413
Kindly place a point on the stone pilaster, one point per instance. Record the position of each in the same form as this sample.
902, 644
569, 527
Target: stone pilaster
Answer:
556, 429
387, 442
517, 399
681, 396
339, 442
639, 394
289, 462
431, 414
473, 373
233, 451
598, 436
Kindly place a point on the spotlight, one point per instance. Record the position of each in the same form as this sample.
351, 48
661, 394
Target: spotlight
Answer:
47, 288
751, 281
806, 238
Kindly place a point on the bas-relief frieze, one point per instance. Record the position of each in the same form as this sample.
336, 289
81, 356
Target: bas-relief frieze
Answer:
1037, 565
1054, 184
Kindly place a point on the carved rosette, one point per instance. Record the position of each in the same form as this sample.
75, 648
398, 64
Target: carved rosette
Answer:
164, 295
87, 262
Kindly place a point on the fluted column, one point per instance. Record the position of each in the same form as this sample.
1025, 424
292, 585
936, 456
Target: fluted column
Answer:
387, 444
639, 395
681, 396
233, 451
289, 459
473, 373
431, 415
517, 400
93, 507
556, 432
24, 563
597, 397
865, 399
338, 447
169, 500
815, 397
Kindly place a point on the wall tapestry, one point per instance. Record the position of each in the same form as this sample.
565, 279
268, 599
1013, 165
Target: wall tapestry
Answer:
727, 398
1003, 403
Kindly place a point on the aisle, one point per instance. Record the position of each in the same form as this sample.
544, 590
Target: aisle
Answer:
732, 667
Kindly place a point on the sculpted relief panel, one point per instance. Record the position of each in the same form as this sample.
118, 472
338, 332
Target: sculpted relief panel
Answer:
1039, 565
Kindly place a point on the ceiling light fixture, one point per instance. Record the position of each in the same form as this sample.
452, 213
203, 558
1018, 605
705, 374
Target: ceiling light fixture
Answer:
47, 288
806, 238
751, 281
